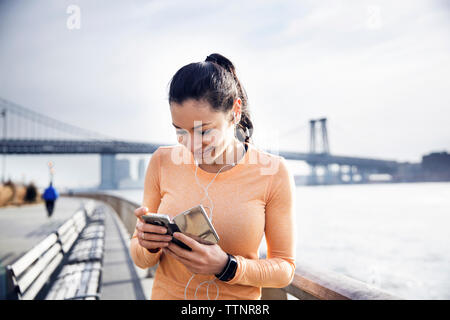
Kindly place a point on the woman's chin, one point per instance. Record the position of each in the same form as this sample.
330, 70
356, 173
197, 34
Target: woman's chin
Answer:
206, 154
207, 158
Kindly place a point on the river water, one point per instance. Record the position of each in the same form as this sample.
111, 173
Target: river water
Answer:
393, 236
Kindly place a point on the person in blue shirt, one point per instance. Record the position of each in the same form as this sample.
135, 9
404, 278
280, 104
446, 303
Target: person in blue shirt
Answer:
50, 195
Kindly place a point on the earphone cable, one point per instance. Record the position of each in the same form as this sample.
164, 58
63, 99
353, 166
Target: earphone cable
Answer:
209, 282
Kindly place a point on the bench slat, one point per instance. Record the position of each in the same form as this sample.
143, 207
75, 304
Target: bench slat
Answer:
68, 233
80, 225
42, 279
89, 207
34, 271
61, 293
71, 291
77, 280
93, 282
79, 220
69, 242
66, 226
26, 260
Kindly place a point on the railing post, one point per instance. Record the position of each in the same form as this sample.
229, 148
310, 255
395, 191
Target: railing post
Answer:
273, 294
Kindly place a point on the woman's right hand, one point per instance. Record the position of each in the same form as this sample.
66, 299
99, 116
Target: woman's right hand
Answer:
150, 236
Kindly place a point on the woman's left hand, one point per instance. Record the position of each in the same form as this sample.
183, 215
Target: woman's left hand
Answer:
203, 259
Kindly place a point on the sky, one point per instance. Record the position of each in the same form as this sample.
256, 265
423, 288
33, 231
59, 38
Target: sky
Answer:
377, 70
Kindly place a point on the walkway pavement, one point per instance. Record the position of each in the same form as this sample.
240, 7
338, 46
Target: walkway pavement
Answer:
23, 227
121, 279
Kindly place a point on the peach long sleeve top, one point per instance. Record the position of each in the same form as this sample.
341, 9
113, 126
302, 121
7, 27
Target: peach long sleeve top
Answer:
253, 199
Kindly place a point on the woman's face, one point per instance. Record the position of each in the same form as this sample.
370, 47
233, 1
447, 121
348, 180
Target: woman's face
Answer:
203, 131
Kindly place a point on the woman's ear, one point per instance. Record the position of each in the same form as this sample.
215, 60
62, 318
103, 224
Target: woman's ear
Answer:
237, 110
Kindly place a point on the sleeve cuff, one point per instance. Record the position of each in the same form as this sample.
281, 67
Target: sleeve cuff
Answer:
142, 257
240, 271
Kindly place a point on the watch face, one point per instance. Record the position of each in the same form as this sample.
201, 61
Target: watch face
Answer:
230, 269
233, 262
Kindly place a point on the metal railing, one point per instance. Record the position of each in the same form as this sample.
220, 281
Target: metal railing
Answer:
309, 282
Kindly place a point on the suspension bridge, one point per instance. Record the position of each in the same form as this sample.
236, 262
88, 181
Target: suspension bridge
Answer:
26, 132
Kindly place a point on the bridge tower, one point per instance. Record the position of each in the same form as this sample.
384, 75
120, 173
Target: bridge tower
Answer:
324, 131
314, 149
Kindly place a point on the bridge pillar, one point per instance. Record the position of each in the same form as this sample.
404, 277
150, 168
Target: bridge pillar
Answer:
347, 172
312, 178
108, 171
341, 174
351, 173
364, 175
328, 176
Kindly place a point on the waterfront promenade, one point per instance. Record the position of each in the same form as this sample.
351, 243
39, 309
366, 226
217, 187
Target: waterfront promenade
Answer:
23, 227
122, 280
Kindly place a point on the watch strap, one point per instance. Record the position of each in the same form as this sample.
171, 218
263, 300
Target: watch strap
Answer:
229, 270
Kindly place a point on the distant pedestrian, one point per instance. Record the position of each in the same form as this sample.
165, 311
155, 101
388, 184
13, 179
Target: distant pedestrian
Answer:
50, 195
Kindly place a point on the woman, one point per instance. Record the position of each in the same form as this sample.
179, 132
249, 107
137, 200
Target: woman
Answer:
248, 193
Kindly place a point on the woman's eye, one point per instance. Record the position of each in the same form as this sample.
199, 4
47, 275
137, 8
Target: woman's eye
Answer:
185, 132
205, 132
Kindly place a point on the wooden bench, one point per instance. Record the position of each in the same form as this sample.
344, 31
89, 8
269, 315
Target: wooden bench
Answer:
66, 264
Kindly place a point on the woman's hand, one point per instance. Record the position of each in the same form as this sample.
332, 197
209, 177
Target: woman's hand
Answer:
203, 259
150, 236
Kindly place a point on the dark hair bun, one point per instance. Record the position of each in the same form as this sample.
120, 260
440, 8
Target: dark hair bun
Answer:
221, 61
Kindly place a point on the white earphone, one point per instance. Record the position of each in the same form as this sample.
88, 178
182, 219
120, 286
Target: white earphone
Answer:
208, 282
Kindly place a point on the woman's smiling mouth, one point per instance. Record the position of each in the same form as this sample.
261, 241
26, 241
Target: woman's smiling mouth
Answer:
200, 153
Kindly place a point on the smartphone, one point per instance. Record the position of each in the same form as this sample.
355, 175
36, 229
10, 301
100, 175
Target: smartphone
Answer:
157, 219
163, 220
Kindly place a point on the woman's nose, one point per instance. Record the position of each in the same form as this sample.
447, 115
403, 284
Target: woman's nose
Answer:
191, 142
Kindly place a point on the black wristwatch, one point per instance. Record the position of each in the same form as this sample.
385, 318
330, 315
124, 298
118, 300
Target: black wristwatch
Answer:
230, 269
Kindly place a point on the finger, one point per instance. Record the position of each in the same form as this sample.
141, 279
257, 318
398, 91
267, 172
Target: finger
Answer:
181, 252
139, 225
139, 212
152, 244
184, 261
193, 244
148, 227
155, 237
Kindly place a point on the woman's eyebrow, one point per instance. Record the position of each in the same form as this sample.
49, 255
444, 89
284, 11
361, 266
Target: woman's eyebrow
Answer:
203, 124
